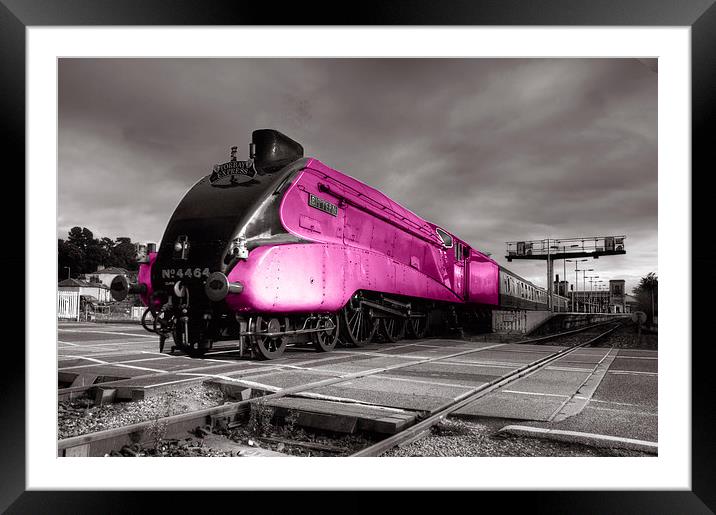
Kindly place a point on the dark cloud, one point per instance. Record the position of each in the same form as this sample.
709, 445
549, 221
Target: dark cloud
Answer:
493, 149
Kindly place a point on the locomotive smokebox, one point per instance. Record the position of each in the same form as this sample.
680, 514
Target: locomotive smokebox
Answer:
272, 150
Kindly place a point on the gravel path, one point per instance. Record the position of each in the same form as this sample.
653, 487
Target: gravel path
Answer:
457, 437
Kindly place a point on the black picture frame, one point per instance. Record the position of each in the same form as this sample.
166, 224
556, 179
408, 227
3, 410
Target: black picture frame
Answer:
699, 15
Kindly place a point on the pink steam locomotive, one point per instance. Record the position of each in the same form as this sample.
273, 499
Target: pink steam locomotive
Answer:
280, 249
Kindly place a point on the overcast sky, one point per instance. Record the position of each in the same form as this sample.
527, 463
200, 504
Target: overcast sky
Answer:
493, 150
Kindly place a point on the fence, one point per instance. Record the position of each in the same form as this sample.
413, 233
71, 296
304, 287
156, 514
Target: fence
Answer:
68, 305
119, 311
137, 313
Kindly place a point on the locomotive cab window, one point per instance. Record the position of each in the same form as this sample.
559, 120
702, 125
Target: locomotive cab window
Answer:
445, 237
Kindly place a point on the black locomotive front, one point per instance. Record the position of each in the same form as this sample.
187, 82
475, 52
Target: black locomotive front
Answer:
217, 223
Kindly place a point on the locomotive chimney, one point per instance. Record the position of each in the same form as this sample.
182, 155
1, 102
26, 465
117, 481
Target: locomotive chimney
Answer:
272, 150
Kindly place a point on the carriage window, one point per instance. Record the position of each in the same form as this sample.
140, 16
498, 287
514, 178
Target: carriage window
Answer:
445, 237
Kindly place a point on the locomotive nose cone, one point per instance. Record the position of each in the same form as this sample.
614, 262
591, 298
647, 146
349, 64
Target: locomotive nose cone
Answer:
217, 287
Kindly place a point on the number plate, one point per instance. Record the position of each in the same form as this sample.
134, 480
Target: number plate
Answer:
181, 273
322, 205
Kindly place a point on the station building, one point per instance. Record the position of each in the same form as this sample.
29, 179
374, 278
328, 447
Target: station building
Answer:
613, 300
105, 275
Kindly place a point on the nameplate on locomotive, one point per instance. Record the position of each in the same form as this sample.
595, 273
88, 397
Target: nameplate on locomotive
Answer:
322, 205
232, 173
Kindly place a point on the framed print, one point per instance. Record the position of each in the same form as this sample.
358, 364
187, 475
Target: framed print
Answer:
340, 228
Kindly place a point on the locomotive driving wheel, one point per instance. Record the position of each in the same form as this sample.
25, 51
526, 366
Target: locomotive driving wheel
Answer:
269, 347
326, 340
358, 327
392, 329
417, 327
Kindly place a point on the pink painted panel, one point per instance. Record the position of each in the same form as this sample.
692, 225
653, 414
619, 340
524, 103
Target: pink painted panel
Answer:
372, 199
484, 280
358, 230
144, 276
398, 255
305, 221
295, 278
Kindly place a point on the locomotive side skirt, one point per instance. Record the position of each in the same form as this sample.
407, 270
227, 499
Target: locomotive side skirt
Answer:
322, 277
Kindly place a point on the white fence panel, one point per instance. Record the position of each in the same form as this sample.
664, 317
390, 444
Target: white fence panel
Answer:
137, 313
68, 305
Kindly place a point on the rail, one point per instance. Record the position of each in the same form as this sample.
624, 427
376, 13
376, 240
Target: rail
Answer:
418, 429
100, 442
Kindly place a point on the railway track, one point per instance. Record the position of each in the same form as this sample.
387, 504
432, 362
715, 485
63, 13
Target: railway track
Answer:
260, 366
102, 442
421, 428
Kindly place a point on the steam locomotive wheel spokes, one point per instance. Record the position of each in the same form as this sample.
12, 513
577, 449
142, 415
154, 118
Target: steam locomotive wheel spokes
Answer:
357, 324
417, 327
325, 341
392, 329
269, 347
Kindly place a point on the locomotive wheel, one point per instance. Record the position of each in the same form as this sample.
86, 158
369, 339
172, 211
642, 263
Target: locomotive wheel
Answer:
325, 341
417, 327
392, 329
358, 328
269, 347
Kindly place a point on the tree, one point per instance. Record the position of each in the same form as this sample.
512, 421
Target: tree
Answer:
83, 253
80, 237
92, 252
123, 254
107, 244
68, 256
647, 293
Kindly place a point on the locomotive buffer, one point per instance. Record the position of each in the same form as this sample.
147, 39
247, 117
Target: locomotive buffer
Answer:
564, 248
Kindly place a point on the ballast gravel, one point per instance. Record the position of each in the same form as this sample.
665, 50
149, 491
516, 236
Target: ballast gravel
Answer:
627, 337
79, 416
457, 437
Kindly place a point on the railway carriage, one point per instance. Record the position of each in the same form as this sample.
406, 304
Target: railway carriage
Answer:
281, 249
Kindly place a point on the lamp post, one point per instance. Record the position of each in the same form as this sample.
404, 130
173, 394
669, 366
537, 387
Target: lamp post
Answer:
549, 278
598, 295
576, 281
584, 283
564, 263
591, 284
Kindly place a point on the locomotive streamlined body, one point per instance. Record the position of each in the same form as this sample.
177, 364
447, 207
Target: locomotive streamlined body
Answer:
281, 249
